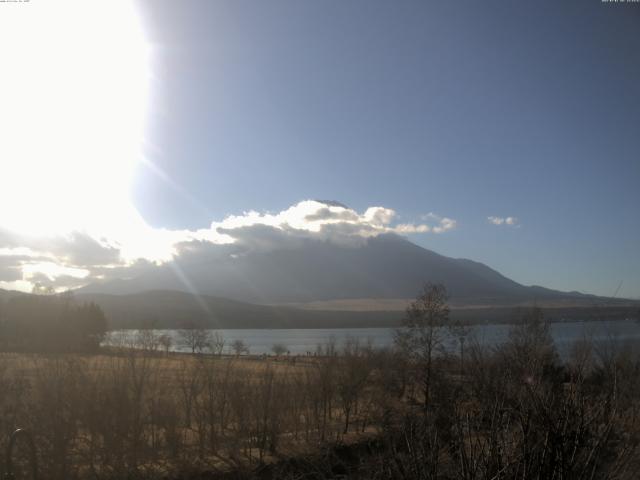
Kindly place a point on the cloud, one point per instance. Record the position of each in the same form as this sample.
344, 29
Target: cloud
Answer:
266, 237
14, 260
10, 268
62, 281
444, 224
327, 214
329, 221
78, 248
512, 221
408, 228
79, 257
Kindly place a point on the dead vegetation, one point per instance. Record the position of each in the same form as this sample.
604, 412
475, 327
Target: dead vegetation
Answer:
412, 412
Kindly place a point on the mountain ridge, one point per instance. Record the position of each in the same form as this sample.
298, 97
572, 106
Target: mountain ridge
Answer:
385, 267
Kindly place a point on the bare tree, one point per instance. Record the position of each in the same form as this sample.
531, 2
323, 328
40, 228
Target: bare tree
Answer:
147, 340
355, 367
327, 349
196, 338
422, 333
165, 341
239, 347
460, 331
217, 343
530, 348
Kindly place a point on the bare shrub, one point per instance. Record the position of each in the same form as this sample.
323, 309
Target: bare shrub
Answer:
422, 335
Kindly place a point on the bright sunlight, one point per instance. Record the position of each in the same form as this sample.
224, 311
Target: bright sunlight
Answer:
73, 105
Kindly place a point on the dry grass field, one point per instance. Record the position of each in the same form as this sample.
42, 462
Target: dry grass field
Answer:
106, 415
513, 411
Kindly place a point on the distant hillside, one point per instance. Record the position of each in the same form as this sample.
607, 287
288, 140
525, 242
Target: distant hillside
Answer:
7, 294
383, 267
172, 309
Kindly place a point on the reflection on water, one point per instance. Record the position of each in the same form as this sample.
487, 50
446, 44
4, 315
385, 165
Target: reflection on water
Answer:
303, 341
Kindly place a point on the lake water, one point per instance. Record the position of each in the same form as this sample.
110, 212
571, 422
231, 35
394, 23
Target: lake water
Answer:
301, 341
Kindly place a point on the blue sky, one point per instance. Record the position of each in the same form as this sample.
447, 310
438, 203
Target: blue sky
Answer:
466, 109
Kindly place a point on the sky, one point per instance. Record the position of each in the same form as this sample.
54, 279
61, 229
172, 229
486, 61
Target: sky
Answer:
505, 132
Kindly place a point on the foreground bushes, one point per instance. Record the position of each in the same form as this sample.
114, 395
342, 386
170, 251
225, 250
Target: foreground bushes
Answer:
514, 411
138, 414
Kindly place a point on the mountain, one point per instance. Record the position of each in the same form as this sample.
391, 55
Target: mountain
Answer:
382, 267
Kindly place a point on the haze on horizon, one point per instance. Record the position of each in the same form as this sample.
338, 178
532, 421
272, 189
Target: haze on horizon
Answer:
492, 131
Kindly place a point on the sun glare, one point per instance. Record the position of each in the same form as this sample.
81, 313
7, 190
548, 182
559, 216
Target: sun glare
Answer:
72, 112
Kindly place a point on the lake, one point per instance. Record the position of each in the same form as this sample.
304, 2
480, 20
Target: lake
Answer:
301, 341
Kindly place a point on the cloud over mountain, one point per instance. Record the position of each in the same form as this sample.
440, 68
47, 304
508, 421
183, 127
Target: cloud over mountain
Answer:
79, 257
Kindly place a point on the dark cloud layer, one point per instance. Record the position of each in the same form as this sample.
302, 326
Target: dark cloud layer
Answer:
80, 249
77, 258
